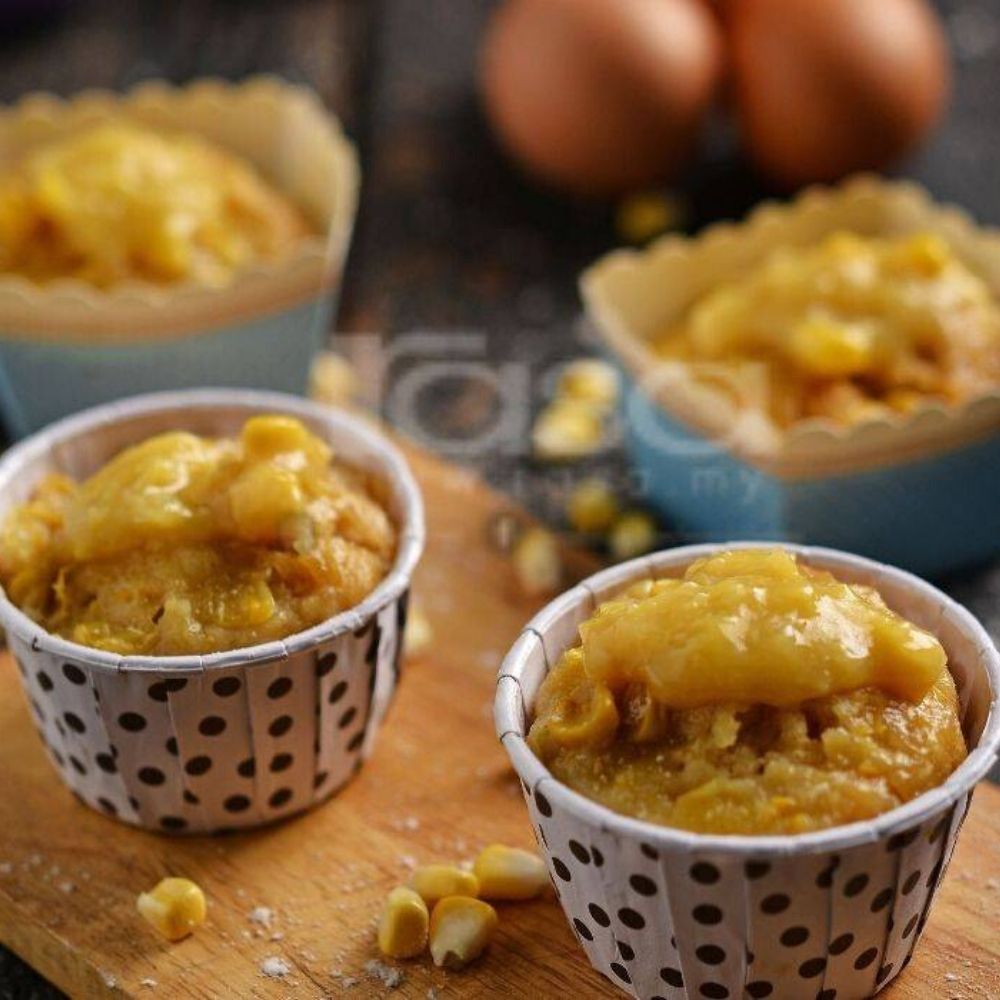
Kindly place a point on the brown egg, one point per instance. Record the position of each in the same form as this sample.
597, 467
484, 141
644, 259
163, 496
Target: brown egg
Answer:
826, 87
600, 96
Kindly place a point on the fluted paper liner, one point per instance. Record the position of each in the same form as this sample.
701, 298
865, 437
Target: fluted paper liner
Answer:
281, 129
633, 295
227, 740
666, 913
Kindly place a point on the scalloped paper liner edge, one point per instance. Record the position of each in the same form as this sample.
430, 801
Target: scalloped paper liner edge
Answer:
283, 129
630, 295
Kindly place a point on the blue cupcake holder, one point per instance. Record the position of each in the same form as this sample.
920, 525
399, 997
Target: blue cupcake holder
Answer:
933, 514
44, 380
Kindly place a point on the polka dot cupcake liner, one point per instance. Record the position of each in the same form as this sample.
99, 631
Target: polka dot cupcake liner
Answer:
204, 744
830, 915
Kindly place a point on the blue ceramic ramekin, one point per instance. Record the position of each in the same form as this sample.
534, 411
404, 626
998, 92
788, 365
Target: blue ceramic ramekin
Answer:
922, 492
67, 346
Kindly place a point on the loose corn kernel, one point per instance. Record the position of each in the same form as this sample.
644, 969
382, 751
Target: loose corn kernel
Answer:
333, 380
567, 429
592, 507
510, 873
642, 216
589, 380
461, 929
418, 634
537, 563
402, 929
175, 907
633, 534
434, 882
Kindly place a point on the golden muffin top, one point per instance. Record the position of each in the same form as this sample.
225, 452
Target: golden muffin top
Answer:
751, 695
850, 329
183, 544
120, 202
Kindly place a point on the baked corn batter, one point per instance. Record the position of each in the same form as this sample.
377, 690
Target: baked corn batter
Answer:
121, 202
851, 329
753, 695
183, 544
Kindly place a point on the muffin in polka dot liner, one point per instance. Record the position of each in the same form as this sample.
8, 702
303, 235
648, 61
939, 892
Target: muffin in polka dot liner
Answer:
666, 912
223, 740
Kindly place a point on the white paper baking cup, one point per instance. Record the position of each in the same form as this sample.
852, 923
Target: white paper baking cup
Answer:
832, 915
227, 740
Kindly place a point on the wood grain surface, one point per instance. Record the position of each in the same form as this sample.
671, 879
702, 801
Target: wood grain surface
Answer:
438, 788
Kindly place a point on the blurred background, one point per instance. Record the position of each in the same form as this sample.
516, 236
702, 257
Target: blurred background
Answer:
453, 237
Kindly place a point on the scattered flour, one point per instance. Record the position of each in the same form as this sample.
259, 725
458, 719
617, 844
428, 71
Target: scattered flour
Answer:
274, 967
263, 916
389, 976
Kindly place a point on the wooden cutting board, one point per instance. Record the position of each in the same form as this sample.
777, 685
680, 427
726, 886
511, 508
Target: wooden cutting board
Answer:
437, 788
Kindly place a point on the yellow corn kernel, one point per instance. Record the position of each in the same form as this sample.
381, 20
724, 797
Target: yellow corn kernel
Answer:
333, 380
642, 216
461, 929
633, 534
262, 499
925, 253
510, 873
434, 882
829, 349
273, 435
175, 907
567, 429
592, 507
418, 634
589, 380
537, 563
905, 400
402, 929
584, 715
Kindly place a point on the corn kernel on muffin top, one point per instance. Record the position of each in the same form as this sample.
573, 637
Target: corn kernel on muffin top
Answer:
122, 202
183, 544
753, 695
851, 329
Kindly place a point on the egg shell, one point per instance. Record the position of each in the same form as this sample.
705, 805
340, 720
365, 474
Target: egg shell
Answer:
823, 88
600, 98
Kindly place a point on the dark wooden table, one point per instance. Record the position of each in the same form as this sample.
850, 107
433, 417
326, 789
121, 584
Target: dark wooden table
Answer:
450, 239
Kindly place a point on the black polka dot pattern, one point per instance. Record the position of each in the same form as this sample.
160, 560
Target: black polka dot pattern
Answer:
74, 674
279, 688
817, 925
196, 752
281, 725
226, 687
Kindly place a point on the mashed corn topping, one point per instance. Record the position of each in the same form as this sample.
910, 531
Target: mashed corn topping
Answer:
119, 201
851, 329
183, 544
753, 696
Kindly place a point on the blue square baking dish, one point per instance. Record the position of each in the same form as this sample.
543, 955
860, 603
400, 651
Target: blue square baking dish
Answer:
921, 491
66, 346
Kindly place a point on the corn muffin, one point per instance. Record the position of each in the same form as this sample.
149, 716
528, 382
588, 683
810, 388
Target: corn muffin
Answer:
850, 329
753, 695
121, 202
182, 544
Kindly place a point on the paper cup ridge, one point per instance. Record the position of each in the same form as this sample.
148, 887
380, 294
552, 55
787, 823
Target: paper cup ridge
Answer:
231, 740
666, 913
